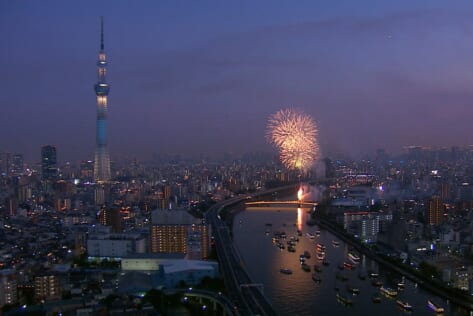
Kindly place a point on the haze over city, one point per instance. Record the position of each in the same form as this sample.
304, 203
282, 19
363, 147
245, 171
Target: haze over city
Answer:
203, 77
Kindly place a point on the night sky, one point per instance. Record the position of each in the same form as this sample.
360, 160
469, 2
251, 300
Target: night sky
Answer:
202, 77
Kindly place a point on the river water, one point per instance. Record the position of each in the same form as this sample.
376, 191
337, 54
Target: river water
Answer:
297, 293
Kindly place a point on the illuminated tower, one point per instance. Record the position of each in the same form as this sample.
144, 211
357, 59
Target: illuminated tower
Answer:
102, 158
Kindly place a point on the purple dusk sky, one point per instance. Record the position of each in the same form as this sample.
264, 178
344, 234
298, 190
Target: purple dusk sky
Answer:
202, 77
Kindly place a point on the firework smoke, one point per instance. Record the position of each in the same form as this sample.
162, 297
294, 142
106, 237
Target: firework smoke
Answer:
294, 134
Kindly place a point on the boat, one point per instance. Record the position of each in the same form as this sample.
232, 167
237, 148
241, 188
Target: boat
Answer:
317, 233
310, 235
404, 305
353, 290
335, 243
320, 247
307, 254
348, 265
320, 256
316, 278
388, 291
305, 267
436, 308
377, 282
376, 298
373, 275
353, 257
285, 271
344, 299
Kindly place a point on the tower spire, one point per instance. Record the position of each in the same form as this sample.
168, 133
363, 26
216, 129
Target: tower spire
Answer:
101, 33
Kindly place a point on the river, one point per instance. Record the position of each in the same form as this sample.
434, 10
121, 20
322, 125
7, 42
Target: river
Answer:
297, 293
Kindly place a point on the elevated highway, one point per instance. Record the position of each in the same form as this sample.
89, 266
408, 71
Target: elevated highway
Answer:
249, 300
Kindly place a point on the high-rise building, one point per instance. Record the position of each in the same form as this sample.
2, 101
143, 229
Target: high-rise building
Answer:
110, 216
8, 287
435, 211
17, 167
48, 162
102, 158
179, 232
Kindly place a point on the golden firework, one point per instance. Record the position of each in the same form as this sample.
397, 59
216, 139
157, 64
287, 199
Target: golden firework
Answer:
294, 134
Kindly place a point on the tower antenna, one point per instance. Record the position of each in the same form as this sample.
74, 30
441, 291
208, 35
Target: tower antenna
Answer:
101, 33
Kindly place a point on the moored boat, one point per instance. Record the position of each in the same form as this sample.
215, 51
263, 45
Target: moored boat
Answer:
316, 278
305, 267
344, 299
388, 291
376, 298
335, 243
353, 290
354, 258
404, 305
435, 307
347, 265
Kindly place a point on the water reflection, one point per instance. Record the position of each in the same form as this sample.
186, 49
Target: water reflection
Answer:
297, 293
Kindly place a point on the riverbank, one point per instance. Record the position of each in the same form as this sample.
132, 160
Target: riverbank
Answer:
437, 289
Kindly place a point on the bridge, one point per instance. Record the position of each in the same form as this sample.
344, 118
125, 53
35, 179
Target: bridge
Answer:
281, 203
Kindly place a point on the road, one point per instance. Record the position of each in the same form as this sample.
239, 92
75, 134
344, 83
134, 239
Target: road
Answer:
248, 299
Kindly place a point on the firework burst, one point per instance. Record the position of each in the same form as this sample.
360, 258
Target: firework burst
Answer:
294, 134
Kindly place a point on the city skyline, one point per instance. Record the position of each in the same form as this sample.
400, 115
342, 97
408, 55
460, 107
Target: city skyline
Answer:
203, 78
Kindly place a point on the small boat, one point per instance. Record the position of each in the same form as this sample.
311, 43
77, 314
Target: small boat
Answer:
285, 271
348, 265
305, 267
316, 278
376, 298
307, 254
353, 257
335, 243
317, 233
353, 290
401, 285
377, 282
320, 247
404, 305
436, 308
344, 299
388, 291
310, 235
373, 275
320, 256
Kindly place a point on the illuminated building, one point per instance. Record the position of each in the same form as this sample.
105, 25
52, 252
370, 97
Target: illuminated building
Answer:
48, 162
102, 158
8, 287
179, 232
47, 287
435, 211
110, 216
